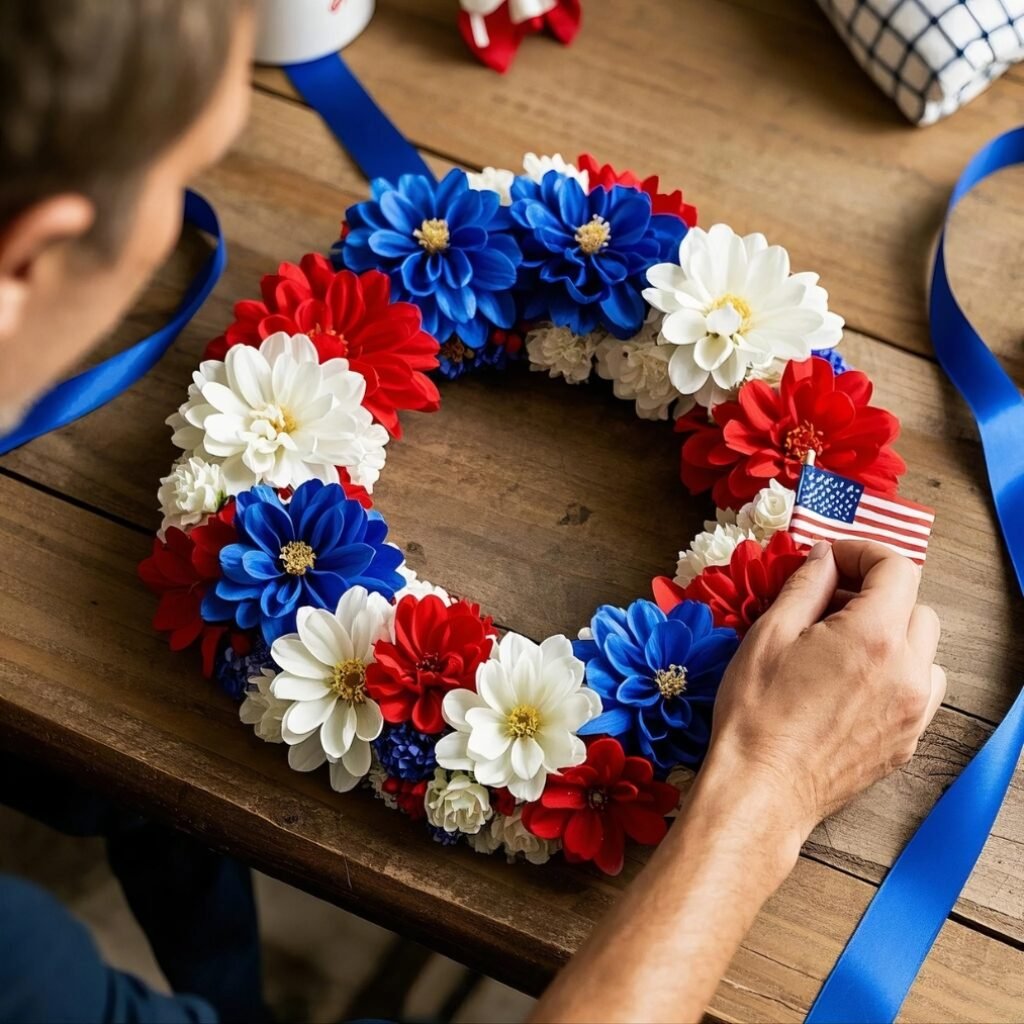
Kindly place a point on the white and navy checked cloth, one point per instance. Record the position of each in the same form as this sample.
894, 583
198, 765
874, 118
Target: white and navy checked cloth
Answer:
931, 56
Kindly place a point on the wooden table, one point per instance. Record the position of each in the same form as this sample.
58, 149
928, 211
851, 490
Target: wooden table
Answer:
542, 501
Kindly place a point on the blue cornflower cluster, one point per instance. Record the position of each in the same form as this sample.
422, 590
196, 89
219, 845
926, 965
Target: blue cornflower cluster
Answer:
834, 359
657, 675
234, 670
306, 552
445, 838
406, 753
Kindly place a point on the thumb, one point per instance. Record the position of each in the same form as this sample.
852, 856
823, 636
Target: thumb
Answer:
807, 593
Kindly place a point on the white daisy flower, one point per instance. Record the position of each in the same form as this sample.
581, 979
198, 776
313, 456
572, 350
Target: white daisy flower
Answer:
508, 833
323, 674
493, 179
521, 724
262, 709
456, 803
561, 352
768, 512
415, 587
277, 415
712, 547
638, 370
193, 490
732, 307
535, 167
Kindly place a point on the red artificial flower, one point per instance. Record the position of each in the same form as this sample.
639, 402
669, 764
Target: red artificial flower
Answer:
742, 591
503, 801
661, 202
181, 569
437, 648
512, 340
408, 795
767, 431
351, 316
594, 806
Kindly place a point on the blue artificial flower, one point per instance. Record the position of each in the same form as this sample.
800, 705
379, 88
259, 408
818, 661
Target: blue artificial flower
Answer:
444, 837
307, 552
406, 753
657, 676
445, 246
586, 254
834, 359
234, 670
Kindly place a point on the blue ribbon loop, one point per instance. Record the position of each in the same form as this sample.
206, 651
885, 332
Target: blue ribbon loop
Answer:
98, 385
872, 977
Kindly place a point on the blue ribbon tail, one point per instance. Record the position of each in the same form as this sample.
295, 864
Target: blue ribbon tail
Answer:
94, 387
376, 145
872, 977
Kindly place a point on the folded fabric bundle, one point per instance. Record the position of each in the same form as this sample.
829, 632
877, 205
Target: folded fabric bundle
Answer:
931, 56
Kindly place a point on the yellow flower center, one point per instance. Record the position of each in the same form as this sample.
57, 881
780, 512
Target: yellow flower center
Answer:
348, 681
433, 235
803, 439
284, 422
593, 236
456, 352
671, 681
741, 306
523, 721
296, 557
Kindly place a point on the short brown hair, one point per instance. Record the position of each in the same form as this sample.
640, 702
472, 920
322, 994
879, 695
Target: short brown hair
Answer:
93, 91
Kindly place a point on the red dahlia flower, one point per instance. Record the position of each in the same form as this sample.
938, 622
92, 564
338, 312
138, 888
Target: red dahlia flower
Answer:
437, 648
351, 316
766, 433
180, 570
661, 202
408, 796
742, 591
594, 806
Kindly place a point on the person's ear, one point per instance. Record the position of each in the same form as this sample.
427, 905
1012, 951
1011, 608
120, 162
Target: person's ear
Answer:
28, 240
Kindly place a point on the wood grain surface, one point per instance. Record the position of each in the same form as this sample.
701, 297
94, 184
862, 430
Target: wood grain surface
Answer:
542, 501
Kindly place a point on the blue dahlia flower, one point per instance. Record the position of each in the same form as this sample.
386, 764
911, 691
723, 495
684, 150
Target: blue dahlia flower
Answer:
586, 254
834, 359
406, 753
657, 675
234, 670
306, 552
445, 246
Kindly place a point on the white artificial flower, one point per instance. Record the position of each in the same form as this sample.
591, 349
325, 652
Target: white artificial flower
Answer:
522, 722
262, 709
193, 490
712, 547
376, 777
277, 415
507, 832
535, 167
732, 307
415, 587
456, 803
323, 674
638, 370
682, 778
561, 352
585, 633
493, 179
768, 512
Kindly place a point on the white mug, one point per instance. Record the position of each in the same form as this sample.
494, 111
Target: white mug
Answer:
293, 31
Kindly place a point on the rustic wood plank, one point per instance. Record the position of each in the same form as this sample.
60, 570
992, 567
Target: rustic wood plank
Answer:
85, 683
757, 110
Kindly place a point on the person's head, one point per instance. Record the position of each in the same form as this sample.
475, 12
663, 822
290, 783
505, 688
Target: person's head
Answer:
108, 110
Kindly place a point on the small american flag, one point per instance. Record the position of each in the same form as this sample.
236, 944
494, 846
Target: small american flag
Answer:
830, 507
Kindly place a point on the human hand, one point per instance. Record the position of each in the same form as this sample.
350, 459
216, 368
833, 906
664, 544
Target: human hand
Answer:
821, 707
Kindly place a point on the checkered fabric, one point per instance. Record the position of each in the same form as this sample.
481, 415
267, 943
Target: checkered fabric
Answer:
931, 56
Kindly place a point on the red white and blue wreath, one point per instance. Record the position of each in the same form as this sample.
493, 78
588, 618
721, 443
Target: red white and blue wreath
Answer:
271, 558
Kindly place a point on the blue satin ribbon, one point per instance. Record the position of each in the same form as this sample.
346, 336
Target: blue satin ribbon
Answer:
98, 385
872, 977
376, 145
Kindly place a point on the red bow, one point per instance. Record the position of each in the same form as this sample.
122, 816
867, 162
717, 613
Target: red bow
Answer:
493, 29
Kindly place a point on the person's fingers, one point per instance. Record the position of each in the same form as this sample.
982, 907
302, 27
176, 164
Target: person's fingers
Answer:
840, 599
937, 695
888, 581
923, 633
805, 597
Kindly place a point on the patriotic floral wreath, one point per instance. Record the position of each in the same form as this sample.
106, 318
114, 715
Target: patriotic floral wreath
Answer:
271, 558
